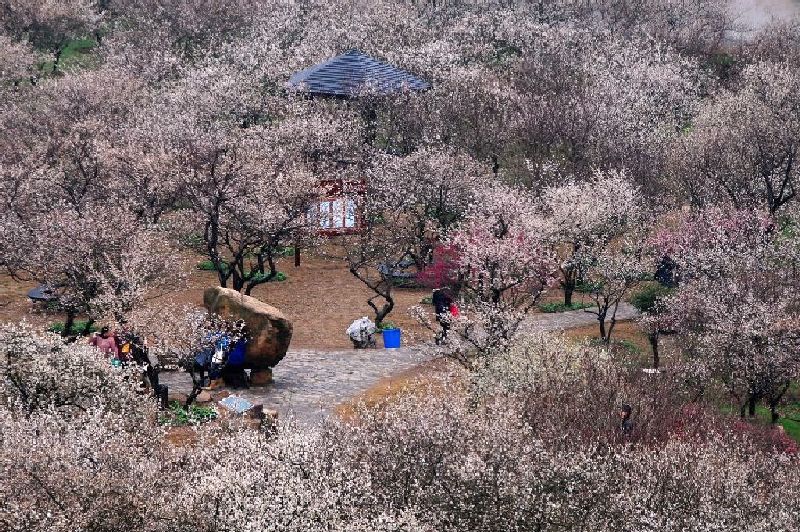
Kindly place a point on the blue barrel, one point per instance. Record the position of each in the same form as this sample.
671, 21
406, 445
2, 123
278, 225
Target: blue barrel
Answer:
391, 338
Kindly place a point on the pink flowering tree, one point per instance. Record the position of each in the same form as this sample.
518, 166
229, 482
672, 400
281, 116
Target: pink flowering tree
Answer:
443, 271
505, 263
406, 206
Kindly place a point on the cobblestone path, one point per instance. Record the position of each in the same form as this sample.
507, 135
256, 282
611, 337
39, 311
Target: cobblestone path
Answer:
309, 383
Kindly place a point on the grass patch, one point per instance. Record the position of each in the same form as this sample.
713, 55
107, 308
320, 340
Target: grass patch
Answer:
789, 420
427, 300
177, 416
420, 381
76, 53
559, 306
76, 329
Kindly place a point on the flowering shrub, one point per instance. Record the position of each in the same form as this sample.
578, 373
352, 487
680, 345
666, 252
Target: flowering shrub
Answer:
442, 271
515, 453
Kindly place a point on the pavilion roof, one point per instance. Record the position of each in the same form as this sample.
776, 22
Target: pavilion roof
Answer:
346, 74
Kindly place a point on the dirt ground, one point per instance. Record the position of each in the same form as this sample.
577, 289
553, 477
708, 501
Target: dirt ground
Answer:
628, 334
320, 296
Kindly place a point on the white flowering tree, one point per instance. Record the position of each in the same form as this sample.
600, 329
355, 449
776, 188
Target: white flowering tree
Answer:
736, 302
425, 195
587, 216
742, 147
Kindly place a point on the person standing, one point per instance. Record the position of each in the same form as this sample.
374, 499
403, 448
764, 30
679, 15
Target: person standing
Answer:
442, 302
625, 425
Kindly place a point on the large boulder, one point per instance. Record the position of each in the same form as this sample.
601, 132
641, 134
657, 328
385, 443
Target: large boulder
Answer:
270, 332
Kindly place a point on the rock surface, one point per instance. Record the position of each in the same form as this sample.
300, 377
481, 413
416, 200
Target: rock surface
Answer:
261, 377
270, 331
203, 397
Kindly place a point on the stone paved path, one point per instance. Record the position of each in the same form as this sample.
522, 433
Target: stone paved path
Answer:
575, 318
308, 384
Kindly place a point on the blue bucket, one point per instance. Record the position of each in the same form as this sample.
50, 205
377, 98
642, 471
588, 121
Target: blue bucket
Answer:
391, 338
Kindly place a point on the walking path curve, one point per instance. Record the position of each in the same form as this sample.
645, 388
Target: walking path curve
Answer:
309, 383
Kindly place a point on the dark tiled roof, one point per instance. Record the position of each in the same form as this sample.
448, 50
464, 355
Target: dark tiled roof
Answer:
346, 74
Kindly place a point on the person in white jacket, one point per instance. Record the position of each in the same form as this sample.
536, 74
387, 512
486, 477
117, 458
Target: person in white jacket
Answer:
362, 333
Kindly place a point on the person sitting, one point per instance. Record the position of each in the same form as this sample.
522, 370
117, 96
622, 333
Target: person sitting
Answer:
626, 425
362, 333
133, 350
233, 373
106, 342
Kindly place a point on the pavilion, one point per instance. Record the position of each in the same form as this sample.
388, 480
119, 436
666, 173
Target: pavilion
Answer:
345, 75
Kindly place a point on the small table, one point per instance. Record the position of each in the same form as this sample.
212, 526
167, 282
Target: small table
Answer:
42, 293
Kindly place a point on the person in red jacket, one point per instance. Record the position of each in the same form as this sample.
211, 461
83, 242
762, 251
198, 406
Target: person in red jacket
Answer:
445, 309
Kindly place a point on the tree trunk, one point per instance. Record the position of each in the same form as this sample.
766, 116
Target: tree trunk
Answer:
380, 314
569, 289
57, 58
370, 117
653, 338
601, 318
751, 405
569, 283
237, 274
252, 282
68, 323
773, 412
611, 327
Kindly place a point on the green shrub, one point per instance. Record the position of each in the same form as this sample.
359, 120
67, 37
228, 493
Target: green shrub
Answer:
179, 416
285, 251
386, 325
647, 297
279, 276
559, 306
427, 300
207, 265
77, 328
